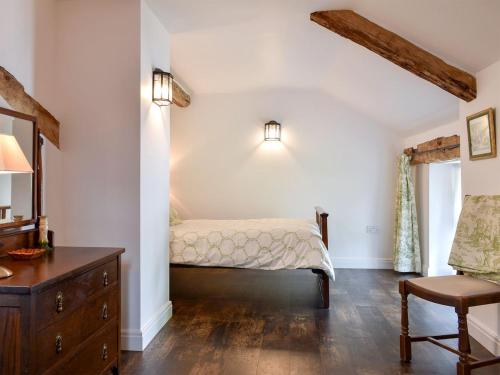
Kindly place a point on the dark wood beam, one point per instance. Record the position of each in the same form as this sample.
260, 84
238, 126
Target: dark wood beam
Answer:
13, 93
398, 50
438, 149
180, 96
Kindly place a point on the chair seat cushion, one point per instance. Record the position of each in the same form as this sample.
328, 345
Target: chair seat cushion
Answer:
454, 288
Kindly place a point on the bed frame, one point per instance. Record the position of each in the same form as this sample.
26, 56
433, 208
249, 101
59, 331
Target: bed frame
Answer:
323, 279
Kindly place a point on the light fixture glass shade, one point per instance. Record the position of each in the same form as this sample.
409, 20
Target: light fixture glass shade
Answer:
12, 158
162, 87
272, 131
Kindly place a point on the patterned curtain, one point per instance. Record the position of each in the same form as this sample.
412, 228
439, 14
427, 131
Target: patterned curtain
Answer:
406, 254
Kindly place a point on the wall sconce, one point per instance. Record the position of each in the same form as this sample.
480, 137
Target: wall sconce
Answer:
162, 87
272, 131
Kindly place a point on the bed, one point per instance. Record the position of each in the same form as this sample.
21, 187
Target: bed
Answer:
268, 244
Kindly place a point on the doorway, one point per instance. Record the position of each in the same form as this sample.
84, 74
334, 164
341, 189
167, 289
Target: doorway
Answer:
445, 204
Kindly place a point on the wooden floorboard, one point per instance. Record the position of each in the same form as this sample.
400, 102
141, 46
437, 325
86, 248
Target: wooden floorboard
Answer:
240, 322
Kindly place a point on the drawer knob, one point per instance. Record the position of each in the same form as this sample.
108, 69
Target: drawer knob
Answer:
59, 301
58, 344
105, 311
105, 280
104, 354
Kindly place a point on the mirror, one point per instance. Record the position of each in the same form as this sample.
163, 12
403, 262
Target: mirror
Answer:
18, 157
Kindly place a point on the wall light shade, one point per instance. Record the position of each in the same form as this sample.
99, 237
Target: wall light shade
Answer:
162, 87
272, 131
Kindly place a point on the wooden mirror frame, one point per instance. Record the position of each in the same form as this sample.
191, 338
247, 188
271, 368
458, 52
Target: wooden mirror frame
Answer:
16, 227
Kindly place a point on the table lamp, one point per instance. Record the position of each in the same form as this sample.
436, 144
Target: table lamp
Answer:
12, 160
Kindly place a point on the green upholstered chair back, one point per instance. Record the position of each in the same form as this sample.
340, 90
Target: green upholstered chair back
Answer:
476, 247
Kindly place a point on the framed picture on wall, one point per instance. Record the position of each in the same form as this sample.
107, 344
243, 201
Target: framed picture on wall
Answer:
481, 132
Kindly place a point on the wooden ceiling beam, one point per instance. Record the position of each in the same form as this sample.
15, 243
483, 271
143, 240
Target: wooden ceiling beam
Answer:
180, 96
436, 150
13, 92
399, 51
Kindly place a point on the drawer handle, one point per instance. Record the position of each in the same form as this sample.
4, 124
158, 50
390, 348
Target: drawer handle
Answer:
105, 280
59, 302
105, 311
104, 354
58, 344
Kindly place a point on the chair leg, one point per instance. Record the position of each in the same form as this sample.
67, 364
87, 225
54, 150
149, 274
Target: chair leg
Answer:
404, 338
463, 364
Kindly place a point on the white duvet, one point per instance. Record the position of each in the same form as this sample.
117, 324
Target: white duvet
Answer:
268, 244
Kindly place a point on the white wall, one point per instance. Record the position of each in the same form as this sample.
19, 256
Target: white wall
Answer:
45, 91
115, 146
482, 177
26, 31
478, 177
156, 308
82, 60
98, 71
330, 156
17, 44
444, 130
26, 50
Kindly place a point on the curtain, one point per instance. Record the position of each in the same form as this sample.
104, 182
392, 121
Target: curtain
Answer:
406, 252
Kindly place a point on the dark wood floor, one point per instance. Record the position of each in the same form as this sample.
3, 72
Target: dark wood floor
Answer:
260, 322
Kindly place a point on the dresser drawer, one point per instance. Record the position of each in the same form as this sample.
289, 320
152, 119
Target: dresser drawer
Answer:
62, 337
68, 295
95, 356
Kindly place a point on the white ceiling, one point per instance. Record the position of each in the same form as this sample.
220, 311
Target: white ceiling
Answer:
230, 46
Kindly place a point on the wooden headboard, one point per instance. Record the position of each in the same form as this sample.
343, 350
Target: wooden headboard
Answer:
322, 220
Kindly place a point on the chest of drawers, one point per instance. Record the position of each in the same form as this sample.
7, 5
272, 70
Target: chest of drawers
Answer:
60, 314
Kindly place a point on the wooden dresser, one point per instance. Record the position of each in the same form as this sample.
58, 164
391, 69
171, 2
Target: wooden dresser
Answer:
60, 314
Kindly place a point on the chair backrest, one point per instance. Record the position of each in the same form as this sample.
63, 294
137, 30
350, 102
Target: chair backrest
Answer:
476, 247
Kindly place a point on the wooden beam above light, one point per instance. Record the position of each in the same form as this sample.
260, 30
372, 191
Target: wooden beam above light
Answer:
398, 50
13, 93
180, 96
438, 149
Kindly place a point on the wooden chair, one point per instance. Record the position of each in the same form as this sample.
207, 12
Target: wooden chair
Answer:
461, 291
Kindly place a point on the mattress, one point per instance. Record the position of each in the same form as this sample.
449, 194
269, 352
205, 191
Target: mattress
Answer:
268, 244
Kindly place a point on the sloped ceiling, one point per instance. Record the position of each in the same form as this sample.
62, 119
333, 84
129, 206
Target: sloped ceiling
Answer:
231, 46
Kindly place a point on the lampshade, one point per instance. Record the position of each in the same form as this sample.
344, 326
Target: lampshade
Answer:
272, 131
162, 87
12, 159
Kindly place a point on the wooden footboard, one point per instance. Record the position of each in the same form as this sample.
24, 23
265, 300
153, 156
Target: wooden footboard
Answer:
323, 280
322, 220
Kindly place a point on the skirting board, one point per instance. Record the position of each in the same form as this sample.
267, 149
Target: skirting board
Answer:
484, 335
363, 263
137, 340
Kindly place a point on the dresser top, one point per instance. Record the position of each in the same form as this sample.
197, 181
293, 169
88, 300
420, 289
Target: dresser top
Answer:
30, 276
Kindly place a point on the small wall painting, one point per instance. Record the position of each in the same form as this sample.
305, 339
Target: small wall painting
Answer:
481, 132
